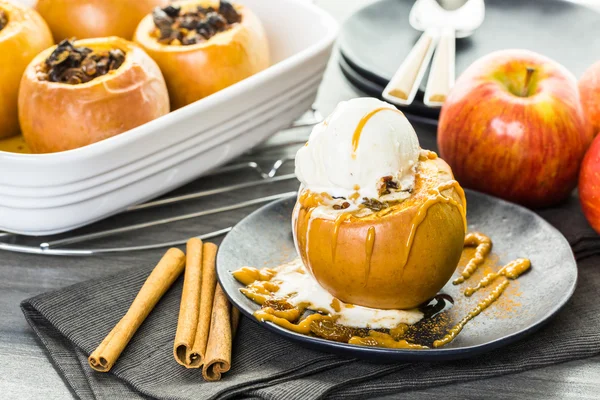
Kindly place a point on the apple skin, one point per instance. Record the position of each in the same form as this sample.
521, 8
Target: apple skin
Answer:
524, 149
589, 185
589, 89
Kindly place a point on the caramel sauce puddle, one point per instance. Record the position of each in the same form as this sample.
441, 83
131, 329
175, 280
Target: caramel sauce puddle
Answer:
260, 288
14, 144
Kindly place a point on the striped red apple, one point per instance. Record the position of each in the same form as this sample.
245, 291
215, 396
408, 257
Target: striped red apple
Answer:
589, 88
513, 126
589, 185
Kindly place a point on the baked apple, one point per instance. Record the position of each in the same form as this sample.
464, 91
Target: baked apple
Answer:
84, 19
378, 222
203, 47
100, 87
23, 34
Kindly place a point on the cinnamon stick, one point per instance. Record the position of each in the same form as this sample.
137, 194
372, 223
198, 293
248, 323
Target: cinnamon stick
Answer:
161, 278
218, 350
190, 304
207, 293
235, 320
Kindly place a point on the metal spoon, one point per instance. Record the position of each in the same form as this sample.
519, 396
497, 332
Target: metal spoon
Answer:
441, 24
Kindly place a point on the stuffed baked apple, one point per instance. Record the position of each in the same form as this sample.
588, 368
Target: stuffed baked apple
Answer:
75, 94
203, 47
378, 222
23, 34
84, 19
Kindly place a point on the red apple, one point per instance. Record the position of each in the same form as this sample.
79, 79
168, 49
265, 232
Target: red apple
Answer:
589, 185
513, 126
589, 88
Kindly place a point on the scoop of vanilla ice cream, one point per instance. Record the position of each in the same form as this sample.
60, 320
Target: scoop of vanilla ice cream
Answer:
386, 146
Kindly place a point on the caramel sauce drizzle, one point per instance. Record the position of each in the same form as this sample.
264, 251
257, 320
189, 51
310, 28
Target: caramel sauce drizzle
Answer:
336, 230
354, 196
301, 327
484, 246
307, 239
399, 331
310, 201
436, 197
256, 297
427, 155
258, 291
512, 271
485, 303
369, 244
293, 314
361, 124
248, 275
335, 304
14, 144
380, 339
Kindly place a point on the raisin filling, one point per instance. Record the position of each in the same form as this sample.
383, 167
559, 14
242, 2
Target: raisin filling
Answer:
385, 184
73, 65
3, 19
178, 26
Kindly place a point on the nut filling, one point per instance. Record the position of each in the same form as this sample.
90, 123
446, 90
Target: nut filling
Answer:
3, 19
73, 65
178, 26
374, 204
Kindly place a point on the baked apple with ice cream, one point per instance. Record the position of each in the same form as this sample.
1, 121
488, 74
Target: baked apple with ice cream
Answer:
379, 222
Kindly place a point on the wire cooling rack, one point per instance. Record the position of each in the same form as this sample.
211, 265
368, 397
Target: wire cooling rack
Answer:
264, 163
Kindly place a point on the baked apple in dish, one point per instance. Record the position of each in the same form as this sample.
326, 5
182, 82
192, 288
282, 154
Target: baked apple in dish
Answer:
23, 34
84, 19
203, 47
78, 93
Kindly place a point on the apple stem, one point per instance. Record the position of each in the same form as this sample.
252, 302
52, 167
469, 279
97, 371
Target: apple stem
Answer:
528, 76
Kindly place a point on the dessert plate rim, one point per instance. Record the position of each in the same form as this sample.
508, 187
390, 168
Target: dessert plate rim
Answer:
385, 354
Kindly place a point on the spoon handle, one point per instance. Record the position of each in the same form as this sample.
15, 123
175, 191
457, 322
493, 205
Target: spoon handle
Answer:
404, 84
441, 75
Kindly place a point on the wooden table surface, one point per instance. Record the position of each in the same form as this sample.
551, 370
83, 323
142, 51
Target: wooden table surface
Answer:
26, 372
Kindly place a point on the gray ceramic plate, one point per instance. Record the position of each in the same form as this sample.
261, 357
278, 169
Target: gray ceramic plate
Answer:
264, 239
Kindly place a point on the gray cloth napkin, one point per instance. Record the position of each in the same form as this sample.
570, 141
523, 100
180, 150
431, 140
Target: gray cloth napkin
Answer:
569, 219
71, 322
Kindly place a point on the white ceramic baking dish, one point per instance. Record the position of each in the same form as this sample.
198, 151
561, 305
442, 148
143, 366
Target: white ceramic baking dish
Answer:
51, 193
